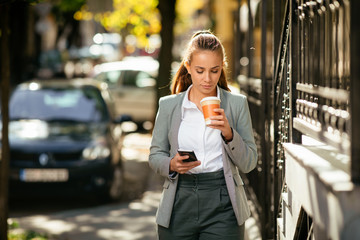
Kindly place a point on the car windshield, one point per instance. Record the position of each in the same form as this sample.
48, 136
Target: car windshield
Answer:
67, 105
127, 78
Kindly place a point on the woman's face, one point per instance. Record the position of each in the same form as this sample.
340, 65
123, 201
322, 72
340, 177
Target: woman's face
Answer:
205, 69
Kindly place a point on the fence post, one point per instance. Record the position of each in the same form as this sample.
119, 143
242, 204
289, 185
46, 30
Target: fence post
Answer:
354, 91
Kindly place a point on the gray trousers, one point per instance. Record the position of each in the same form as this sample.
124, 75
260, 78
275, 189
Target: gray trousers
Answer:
202, 210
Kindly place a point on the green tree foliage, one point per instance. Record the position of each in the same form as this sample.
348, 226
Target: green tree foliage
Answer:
185, 11
136, 17
68, 5
141, 18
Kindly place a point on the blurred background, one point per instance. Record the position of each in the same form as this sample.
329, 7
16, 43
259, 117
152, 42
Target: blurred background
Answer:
80, 82
67, 38
70, 39
79, 86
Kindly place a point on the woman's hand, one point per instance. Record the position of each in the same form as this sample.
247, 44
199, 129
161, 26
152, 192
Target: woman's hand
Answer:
220, 122
177, 164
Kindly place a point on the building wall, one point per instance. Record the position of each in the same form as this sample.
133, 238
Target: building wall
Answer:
223, 11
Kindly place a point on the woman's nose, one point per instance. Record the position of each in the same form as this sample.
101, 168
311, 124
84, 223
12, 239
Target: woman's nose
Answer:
207, 77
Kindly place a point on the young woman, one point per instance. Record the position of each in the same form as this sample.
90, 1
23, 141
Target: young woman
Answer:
202, 199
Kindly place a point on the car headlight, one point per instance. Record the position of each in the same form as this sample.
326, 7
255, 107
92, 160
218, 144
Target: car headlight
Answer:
96, 151
29, 129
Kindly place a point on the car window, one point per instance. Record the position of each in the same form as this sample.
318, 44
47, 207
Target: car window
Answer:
80, 105
144, 79
138, 79
129, 78
111, 77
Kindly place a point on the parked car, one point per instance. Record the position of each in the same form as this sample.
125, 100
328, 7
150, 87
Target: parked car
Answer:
132, 85
64, 137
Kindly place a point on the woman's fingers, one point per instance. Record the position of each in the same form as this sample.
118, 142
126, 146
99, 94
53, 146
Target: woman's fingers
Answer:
220, 122
178, 165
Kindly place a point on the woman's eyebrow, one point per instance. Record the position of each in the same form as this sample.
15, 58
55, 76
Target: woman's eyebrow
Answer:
204, 68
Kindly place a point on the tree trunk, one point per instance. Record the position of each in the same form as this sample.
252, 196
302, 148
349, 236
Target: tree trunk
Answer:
4, 88
167, 11
18, 24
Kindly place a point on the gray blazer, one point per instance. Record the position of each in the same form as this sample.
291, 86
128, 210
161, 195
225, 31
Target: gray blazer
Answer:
238, 155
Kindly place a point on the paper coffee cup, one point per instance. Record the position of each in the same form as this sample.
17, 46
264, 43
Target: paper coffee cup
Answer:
208, 105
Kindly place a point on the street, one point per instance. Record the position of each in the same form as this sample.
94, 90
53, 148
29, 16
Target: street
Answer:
69, 218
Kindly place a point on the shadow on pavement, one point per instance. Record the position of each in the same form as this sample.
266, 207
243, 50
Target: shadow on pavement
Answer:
85, 218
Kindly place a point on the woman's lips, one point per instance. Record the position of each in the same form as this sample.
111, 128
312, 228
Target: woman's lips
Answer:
207, 86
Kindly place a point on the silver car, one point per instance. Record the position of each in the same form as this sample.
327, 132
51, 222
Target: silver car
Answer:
132, 83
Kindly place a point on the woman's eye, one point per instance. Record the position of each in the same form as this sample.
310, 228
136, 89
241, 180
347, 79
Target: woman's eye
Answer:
199, 72
216, 71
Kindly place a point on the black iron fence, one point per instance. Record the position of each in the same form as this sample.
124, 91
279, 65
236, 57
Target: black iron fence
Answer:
313, 90
323, 79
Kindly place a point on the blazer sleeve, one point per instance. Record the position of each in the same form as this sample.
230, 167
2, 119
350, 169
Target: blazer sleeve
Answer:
159, 157
242, 149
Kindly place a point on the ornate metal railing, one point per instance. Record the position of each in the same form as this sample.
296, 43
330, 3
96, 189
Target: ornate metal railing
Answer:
252, 47
282, 102
314, 91
323, 80
312, 81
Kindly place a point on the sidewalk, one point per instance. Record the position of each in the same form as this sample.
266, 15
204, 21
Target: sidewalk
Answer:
133, 220
130, 220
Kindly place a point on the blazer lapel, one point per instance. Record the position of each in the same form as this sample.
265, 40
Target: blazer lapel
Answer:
222, 99
175, 125
226, 105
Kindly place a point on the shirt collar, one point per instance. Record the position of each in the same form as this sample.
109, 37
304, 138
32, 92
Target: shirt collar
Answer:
188, 104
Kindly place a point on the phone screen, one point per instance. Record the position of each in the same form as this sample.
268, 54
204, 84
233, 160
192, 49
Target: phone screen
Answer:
191, 154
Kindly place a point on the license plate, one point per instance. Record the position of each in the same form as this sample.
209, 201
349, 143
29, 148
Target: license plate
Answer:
44, 175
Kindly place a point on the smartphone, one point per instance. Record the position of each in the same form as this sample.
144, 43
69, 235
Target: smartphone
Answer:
191, 154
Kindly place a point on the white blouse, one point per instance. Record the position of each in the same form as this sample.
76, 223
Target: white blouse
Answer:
194, 135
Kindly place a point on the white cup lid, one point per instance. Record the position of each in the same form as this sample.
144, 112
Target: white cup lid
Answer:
210, 98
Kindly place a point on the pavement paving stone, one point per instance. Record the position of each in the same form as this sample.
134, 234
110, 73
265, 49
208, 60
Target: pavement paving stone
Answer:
128, 221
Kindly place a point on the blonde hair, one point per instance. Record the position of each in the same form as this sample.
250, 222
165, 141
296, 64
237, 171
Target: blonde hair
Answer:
201, 40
